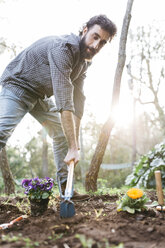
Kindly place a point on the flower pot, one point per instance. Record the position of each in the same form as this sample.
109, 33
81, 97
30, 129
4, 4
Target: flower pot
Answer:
38, 207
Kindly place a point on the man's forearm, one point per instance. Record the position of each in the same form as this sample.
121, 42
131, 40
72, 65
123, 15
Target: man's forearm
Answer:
68, 124
77, 129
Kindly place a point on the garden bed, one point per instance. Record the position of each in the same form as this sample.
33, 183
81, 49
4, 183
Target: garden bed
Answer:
96, 224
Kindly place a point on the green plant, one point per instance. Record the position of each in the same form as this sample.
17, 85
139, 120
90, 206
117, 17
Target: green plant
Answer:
102, 186
15, 239
38, 188
56, 236
85, 242
143, 171
89, 242
118, 246
134, 200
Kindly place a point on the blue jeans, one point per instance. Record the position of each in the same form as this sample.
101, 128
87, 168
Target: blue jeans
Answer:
12, 110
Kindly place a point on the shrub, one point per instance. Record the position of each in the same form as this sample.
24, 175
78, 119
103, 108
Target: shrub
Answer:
143, 171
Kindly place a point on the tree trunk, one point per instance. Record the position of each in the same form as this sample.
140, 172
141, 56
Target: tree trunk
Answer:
6, 173
91, 177
44, 154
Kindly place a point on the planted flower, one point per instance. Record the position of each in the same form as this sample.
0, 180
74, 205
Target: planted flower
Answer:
38, 188
39, 192
134, 200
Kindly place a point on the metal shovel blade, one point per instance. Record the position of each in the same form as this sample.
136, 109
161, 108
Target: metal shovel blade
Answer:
67, 209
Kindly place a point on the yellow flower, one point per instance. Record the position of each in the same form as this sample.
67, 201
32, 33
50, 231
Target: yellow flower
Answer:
135, 193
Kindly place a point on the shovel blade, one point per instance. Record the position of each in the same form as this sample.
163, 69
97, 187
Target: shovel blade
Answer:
67, 209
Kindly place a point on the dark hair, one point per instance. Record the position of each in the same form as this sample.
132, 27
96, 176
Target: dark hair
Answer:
103, 22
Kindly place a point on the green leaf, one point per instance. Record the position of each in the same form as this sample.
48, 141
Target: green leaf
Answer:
138, 209
153, 204
129, 210
119, 208
45, 195
157, 162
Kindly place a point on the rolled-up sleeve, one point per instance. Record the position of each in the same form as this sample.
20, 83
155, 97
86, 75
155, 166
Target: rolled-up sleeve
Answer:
61, 62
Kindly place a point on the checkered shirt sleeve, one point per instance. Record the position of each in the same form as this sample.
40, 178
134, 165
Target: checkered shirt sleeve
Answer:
61, 61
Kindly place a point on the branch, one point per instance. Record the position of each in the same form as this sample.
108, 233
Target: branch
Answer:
161, 76
12, 48
134, 77
140, 101
150, 77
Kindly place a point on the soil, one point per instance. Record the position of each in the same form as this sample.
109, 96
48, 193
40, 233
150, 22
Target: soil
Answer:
96, 224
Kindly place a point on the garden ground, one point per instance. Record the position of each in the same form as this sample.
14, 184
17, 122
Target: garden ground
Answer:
96, 224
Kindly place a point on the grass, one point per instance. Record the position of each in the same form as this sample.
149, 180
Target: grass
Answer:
10, 238
89, 242
103, 188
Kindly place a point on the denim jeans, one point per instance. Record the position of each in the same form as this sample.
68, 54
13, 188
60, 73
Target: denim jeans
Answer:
13, 109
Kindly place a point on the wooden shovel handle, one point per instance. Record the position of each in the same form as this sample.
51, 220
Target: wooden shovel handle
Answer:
70, 177
159, 187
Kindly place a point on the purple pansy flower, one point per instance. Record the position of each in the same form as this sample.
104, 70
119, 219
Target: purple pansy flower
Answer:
26, 182
35, 187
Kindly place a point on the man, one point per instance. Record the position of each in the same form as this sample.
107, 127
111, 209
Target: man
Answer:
53, 66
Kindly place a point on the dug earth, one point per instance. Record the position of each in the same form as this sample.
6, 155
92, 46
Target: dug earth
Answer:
96, 224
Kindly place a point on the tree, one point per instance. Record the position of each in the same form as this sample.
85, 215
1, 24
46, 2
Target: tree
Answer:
147, 70
91, 177
6, 173
4, 165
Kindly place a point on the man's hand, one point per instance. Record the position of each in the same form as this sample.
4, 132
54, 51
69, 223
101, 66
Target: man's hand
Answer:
72, 155
68, 124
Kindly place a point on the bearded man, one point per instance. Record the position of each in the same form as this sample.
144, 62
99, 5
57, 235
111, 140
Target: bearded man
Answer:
53, 66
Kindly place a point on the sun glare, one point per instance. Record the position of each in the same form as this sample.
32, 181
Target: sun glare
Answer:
122, 115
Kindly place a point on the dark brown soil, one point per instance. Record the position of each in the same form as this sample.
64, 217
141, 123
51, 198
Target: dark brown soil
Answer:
96, 224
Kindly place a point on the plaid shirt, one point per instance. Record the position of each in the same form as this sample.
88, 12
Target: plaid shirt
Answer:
52, 65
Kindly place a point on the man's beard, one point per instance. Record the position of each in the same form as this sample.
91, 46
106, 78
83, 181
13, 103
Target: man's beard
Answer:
86, 51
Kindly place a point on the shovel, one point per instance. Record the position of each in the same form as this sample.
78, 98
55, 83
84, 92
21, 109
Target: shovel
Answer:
67, 208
